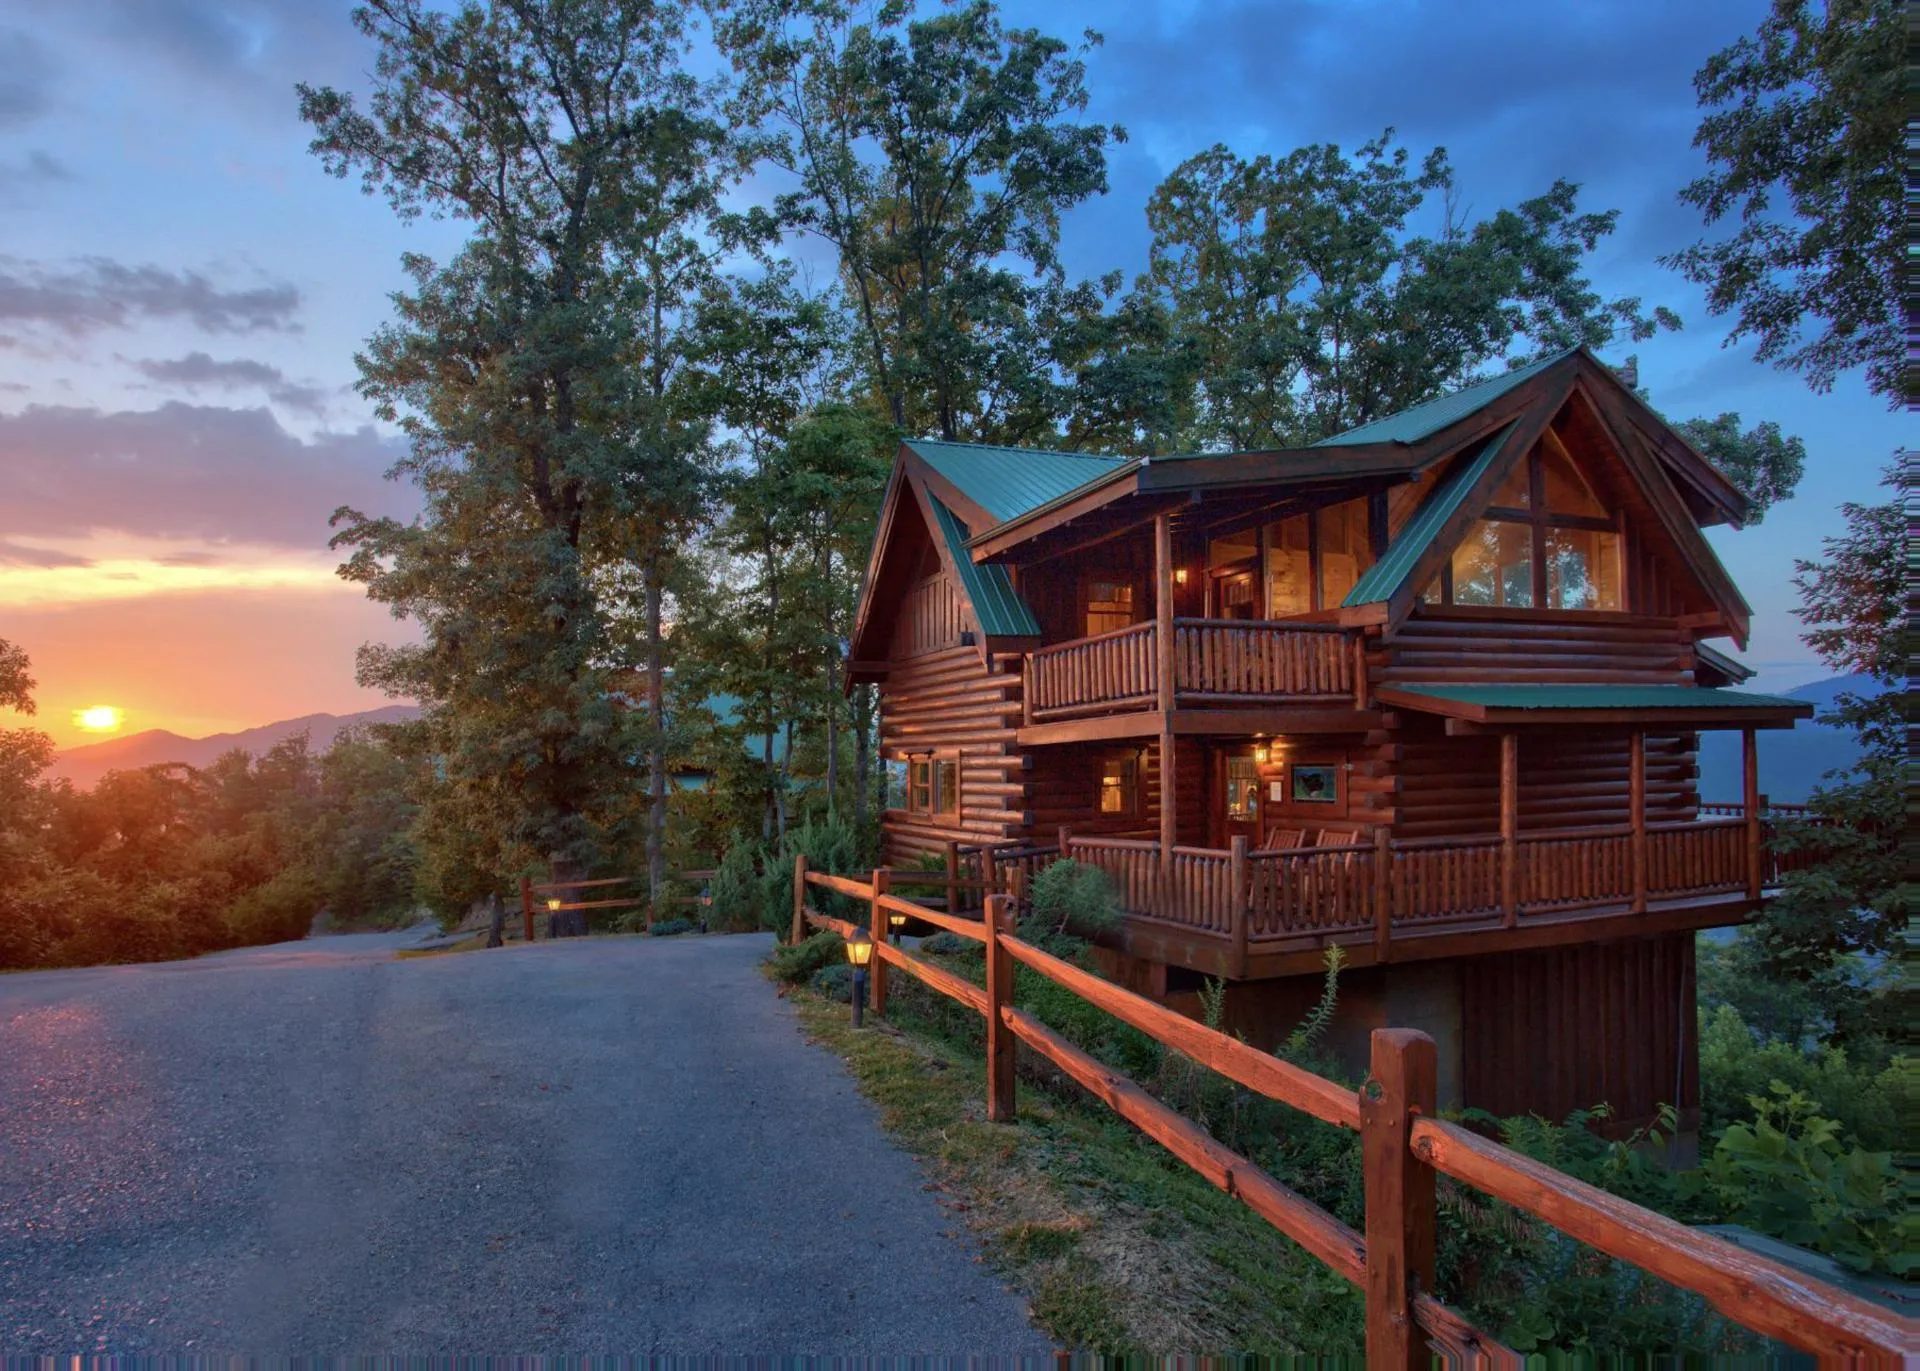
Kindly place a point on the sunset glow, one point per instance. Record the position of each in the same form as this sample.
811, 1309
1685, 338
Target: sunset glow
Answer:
99, 718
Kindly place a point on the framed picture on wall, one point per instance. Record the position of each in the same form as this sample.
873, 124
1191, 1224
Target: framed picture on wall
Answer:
1315, 784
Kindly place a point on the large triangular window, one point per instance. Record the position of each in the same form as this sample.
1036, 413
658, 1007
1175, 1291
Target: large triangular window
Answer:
1546, 541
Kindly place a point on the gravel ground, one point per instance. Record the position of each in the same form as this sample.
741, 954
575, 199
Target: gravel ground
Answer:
606, 1146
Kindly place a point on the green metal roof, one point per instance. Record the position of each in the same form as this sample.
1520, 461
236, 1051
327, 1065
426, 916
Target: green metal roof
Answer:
1386, 575
1009, 481
1425, 420
1001, 611
1601, 697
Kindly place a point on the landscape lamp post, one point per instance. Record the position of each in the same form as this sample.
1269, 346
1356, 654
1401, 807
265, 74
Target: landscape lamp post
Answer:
898, 922
859, 952
553, 917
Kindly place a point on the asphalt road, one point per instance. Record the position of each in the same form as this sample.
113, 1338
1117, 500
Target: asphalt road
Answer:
607, 1146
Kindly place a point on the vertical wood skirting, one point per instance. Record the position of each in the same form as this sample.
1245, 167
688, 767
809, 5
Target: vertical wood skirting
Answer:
879, 929
1510, 828
799, 933
1750, 797
1000, 1060
1401, 1085
1637, 806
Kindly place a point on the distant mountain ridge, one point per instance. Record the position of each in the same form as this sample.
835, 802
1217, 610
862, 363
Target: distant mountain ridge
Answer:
87, 764
1792, 761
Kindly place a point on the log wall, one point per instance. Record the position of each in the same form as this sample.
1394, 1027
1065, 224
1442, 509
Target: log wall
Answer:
949, 700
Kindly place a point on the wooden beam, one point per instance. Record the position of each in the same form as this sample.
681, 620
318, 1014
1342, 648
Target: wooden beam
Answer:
1750, 796
1226, 720
1164, 669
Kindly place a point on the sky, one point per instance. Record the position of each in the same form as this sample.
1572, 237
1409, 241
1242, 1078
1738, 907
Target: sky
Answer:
183, 288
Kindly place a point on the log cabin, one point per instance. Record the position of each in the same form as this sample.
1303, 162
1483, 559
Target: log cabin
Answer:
1430, 690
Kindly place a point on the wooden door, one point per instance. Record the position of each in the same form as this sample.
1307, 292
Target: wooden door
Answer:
1237, 799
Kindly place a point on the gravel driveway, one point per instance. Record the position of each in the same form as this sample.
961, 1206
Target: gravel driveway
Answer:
606, 1146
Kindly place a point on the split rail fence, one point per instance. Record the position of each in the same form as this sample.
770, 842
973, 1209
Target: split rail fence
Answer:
1405, 1147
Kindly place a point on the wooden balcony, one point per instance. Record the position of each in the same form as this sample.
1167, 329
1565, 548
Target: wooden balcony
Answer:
1242, 913
1212, 662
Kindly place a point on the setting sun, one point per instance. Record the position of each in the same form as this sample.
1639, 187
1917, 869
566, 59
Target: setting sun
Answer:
99, 718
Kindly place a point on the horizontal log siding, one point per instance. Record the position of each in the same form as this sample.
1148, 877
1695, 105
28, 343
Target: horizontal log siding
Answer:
950, 700
1435, 646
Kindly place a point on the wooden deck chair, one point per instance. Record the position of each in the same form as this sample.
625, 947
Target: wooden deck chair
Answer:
1337, 837
1281, 839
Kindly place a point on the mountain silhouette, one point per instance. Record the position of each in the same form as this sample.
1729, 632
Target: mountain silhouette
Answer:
1792, 761
85, 765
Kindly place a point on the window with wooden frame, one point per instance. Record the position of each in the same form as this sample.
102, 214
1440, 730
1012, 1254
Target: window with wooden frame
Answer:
1120, 785
1546, 541
1111, 602
933, 784
1314, 560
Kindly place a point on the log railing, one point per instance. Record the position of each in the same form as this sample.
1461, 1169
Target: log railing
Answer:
1215, 661
1404, 1147
1406, 884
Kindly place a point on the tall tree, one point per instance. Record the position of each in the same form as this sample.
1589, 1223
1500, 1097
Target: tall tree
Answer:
1805, 138
1762, 461
936, 156
1860, 896
536, 376
1312, 308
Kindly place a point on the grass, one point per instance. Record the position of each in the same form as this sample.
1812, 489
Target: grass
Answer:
1117, 1247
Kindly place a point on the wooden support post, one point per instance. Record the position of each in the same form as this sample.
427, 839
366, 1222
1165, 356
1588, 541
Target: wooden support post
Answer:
1360, 687
878, 929
1510, 828
1026, 689
799, 934
1164, 679
1066, 835
953, 876
1750, 796
1239, 911
1637, 804
1000, 1100
1401, 1086
1382, 892
526, 906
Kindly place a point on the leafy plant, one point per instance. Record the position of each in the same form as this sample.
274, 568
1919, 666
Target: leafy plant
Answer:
668, 928
1070, 901
797, 963
1790, 1173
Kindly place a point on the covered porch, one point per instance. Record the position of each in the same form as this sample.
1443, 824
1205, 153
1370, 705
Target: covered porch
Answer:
1252, 854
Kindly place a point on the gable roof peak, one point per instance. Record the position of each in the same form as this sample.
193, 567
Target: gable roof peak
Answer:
1427, 418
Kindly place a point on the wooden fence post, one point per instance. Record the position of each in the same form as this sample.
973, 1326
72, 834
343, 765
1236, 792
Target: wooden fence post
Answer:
1000, 1101
1066, 836
1382, 891
1237, 911
799, 934
526, 906
1399, 1195
878, 928
953, 876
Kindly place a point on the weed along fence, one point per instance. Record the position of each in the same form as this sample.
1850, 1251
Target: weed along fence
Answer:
1405, 1146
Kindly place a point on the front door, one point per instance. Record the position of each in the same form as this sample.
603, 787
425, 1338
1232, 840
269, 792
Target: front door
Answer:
1238, 797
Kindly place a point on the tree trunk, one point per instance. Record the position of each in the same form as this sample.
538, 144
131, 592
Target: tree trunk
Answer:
496, 921
833, 734
656, 738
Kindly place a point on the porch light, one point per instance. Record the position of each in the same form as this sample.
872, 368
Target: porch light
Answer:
1260, 755
1180, 576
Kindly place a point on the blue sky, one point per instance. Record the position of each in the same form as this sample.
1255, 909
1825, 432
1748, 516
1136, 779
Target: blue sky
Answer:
182, 289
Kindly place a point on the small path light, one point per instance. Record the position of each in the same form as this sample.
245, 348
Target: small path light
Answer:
859, 952
898, 922
553, 905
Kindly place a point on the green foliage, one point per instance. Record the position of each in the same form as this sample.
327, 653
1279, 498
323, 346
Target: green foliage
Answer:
1789, 1173
835, 982
1069, 901
1280, 271
1738, 1065
668, 928
1804, 138
950, 945
735, 891
1762, 461
796, 964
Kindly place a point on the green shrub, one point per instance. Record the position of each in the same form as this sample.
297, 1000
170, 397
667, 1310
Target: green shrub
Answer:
1790, 1174
835, 982
830, 846
796, 964
951, 945
1072, 900
668, 928
1737, 1066
735, 889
